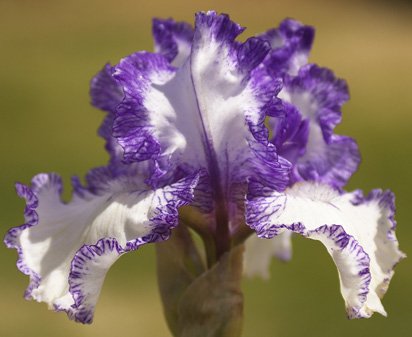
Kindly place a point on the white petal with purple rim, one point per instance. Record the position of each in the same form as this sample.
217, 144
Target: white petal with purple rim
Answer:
205, 114
68, 248
318, 96
358, 233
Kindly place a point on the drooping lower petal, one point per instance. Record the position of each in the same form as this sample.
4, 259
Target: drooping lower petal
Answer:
357, 231
259, 253
66, 249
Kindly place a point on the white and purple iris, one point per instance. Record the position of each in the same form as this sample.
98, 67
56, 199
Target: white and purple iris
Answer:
242, 132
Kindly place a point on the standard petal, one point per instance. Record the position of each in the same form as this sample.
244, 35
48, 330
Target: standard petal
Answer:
291, 43
208, 114
106, 94
173, 40
66, 249
291, 133
357, 231
259, 253
316, 97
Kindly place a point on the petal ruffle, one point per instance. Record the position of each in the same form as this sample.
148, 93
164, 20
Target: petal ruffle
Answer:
357, 231
106, 94
291, 43
66, 249
313, 101
208, 114
173, 40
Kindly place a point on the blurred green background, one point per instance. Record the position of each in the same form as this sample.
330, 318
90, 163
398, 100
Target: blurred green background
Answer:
51, 49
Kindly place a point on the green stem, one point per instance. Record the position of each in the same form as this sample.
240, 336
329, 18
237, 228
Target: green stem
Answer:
178, 265
241, 234
208, 242
212, 305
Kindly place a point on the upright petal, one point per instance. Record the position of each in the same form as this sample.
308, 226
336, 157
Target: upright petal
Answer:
209, 113
173, 40
358, 233
313, 102
66, 249
290, 133
291, 43
106, 94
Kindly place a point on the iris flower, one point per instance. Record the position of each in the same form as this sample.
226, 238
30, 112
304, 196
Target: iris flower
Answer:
241, 132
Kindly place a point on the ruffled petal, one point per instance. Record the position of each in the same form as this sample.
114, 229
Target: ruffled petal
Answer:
313, 102
106, 94
291, 133
209, 113
173, 40
66, 249
357, 231
259, 253
291, 43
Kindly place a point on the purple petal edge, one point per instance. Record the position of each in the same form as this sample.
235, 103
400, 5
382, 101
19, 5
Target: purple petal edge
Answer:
258, 221
131, 125
292, 38
386, 201
341, 157
221, 27
164, 220
31, 219
342, 240
166, 31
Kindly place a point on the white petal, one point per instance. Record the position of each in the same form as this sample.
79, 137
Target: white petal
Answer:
358, 233
202, 114
68, 248
259, 253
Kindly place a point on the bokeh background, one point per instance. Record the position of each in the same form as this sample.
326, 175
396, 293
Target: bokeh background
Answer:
50, 49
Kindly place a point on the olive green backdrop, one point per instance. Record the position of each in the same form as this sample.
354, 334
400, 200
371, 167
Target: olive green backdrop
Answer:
49, 50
